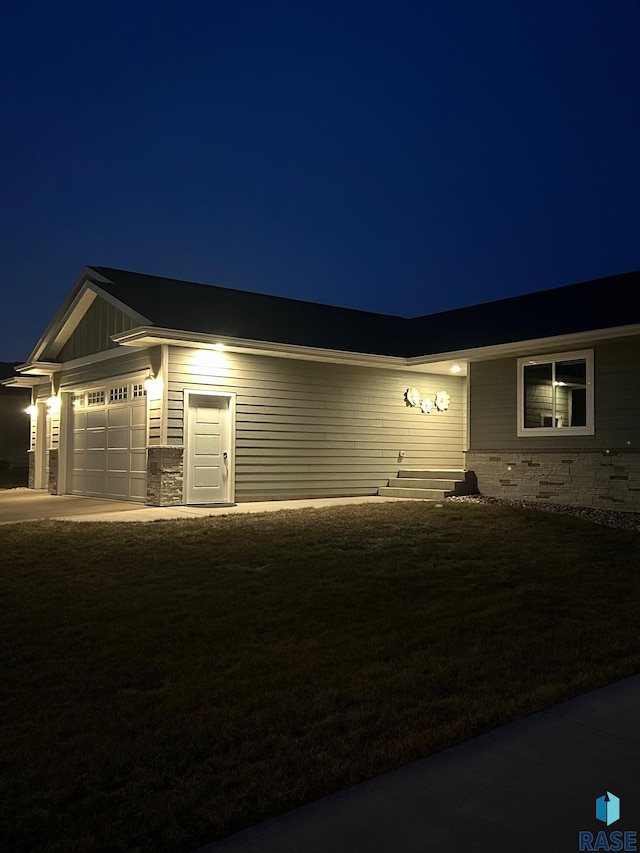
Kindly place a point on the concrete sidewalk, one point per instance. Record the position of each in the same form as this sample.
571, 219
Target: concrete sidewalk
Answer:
528, 787
20, 505
153, 513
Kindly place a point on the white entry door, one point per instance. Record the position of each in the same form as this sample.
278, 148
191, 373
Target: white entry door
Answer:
208, 449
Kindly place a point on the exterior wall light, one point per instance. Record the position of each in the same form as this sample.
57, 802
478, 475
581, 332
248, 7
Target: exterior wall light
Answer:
153, 387
53, 405
219, 347
32, 410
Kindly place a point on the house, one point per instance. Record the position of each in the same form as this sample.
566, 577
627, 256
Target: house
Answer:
170, 392
14, 423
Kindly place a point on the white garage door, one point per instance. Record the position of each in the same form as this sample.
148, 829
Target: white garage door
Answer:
109, 457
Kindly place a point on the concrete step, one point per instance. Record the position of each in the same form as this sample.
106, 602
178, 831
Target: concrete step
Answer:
431, 474
430, 484
408, 483
416, 494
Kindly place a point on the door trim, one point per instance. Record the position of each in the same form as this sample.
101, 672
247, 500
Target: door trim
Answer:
230, 396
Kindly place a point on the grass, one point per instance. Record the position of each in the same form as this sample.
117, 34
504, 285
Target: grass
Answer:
163, 685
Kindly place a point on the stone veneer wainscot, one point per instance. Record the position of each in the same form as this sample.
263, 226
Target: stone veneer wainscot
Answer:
598, 478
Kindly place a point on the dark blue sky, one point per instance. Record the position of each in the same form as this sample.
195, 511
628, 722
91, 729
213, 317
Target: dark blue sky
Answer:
397, 157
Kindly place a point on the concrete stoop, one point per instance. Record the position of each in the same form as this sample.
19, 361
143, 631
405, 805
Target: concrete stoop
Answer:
429, 485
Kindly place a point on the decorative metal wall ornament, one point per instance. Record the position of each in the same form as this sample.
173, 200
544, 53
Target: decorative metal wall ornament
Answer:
412, 396
426, 404
442, 401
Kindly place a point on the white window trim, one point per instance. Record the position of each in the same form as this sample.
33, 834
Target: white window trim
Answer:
530, 432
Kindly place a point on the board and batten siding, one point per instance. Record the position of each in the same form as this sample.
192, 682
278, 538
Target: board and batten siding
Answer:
93, 333
493, 401
306, 428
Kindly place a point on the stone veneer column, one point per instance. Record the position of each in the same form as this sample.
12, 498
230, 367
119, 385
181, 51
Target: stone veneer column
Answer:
53, 472
165, 476
31, 461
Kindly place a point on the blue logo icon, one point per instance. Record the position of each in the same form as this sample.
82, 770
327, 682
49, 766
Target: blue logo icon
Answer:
608, 808
608, 811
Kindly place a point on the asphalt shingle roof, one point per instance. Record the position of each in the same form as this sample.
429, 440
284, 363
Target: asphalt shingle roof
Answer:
202, 308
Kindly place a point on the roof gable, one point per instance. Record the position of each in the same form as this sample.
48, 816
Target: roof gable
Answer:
101, 320
71, 315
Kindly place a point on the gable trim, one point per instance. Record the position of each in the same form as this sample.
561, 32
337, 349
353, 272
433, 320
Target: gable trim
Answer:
73, 309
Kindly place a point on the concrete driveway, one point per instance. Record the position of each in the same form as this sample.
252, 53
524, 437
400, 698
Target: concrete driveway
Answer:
29, 505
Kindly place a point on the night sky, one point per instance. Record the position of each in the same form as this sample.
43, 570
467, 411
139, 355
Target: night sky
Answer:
396, 157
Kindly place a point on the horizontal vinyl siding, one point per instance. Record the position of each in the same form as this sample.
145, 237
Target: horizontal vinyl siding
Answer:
304, 428
101, 371
494, 400
492, 403
43, 391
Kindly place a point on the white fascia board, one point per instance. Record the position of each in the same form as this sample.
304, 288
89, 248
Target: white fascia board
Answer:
152, 336
38, 368
46, 368
20, 382
529, 346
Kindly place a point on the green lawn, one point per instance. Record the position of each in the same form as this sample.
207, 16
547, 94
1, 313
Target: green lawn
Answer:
165, 684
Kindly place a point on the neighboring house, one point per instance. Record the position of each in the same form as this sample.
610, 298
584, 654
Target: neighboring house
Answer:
170, 392
14, 423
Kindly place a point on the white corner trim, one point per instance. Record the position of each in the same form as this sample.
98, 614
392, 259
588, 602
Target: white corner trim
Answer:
164, 411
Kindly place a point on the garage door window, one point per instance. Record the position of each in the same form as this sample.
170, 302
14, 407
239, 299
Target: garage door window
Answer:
116, 395
95, 398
